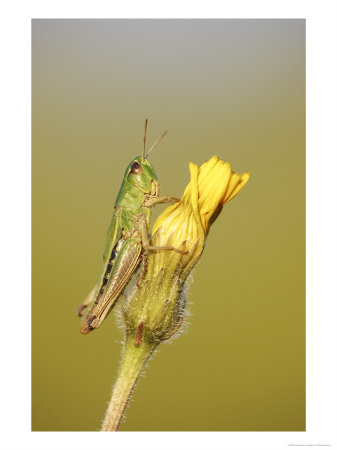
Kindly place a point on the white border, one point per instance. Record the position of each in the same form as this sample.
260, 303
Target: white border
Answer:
321, 222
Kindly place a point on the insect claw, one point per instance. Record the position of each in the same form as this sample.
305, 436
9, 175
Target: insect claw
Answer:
182, 252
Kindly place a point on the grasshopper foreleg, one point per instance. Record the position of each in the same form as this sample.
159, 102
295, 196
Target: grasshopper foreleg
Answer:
155, 201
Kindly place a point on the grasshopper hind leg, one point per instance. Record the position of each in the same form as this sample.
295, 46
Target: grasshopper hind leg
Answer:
81, 309
142, 270
145, 239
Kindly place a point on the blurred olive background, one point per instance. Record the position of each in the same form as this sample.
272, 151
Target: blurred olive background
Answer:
234, 88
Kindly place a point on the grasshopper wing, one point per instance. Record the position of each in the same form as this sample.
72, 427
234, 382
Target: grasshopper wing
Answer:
124, 261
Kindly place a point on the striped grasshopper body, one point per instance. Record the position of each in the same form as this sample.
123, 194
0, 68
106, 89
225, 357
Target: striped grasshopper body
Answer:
127, 239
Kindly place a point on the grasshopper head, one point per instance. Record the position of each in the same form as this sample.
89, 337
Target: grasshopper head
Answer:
142, 175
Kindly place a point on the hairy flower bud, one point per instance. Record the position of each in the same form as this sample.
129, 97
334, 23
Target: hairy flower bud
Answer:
154, 311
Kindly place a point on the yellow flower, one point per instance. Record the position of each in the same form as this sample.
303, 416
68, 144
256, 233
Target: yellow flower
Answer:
155, 309
185, 224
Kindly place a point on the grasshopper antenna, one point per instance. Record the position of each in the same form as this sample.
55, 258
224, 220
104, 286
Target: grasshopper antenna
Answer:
145, 128
156, 143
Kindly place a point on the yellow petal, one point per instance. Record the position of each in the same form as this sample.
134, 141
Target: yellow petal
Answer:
243, 181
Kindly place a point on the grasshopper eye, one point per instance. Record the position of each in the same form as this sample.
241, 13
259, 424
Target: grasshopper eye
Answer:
136, 168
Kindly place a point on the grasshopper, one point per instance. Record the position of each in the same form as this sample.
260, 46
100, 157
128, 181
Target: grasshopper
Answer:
127, 239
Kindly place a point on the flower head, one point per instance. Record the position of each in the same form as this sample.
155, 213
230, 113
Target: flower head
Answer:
185, 224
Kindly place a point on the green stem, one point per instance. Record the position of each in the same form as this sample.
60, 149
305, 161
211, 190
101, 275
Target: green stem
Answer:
133, 361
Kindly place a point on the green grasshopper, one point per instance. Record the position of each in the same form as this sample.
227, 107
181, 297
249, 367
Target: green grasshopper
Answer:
127, 238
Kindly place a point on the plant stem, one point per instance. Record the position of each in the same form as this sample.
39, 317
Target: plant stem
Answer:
133, 361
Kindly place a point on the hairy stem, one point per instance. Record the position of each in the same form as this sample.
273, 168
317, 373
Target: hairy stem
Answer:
133, 361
